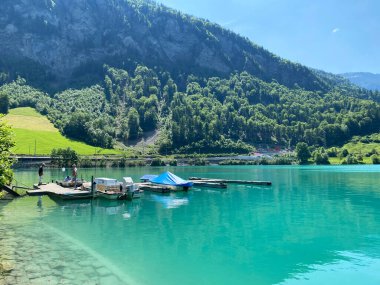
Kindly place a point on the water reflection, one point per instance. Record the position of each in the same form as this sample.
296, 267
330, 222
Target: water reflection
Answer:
170, 202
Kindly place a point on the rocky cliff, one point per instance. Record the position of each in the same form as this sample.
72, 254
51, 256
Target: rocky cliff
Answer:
63, 38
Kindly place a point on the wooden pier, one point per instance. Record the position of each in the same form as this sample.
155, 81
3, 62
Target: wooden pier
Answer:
212, 180
57, 191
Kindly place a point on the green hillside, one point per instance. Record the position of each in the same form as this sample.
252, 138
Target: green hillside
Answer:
146, 68
34, 133
212, 115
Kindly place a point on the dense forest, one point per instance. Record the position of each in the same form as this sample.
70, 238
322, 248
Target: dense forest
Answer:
211, 115
146, 68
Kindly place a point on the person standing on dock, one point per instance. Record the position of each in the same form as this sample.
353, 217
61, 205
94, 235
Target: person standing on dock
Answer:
41, 173
74, 175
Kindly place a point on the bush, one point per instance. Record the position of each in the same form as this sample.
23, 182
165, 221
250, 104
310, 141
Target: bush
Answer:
332, 152
6, 143
4, 103
303, 153
344, 153
375, 159
320, 156
350, 159
64, 157
157, 162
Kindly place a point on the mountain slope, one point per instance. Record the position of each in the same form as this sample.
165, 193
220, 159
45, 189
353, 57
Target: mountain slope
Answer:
366, 80
116, 70
66, 40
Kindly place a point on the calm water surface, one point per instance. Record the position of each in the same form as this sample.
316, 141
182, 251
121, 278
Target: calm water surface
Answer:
314, 225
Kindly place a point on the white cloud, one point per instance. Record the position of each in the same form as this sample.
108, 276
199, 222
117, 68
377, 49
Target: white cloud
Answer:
335, 30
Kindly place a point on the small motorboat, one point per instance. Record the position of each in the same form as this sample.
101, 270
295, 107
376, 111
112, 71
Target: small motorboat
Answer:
113, 189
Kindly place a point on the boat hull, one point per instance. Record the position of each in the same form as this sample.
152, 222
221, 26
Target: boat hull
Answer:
72, 196
112, 195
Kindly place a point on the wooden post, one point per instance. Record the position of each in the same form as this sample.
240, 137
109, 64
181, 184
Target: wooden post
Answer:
92, 186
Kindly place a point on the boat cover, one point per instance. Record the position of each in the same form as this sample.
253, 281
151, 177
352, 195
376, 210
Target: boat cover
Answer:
168, 178
148, 177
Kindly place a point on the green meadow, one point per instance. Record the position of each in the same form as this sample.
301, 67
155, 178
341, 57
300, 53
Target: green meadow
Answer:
35, 134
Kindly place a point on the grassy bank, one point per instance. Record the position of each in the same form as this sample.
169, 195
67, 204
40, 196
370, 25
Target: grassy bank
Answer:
35, 134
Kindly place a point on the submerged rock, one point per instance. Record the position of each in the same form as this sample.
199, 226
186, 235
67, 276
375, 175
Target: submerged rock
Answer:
6, 267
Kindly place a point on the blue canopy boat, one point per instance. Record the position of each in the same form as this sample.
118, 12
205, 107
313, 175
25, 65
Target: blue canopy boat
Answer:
147, 177
173, 181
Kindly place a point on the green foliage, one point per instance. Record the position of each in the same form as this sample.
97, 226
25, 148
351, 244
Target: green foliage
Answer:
213, 115
302, 152
350, 159
375, 159
320, 156
157, 162
133, 124
4, 103
22, 95
64, 157
34, 133
198, 161
6, 143
173, 162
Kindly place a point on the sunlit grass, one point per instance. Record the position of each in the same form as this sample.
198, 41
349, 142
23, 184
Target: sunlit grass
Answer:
35, 134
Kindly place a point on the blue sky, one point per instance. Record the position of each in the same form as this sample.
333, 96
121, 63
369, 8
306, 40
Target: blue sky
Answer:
333, 35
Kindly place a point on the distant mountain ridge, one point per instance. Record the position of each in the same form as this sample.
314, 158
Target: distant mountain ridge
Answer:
64, 40
366, 80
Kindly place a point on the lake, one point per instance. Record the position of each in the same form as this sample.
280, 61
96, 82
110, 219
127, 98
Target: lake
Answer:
314, 225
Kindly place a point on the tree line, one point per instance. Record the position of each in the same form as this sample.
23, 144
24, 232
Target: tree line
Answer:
207, 115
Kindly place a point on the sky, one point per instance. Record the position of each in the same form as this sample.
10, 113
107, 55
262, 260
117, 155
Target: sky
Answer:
337, 36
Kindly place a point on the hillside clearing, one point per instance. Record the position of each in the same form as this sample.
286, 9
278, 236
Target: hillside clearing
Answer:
35, 134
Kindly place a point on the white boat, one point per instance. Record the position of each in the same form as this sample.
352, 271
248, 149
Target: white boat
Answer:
131, 189
113, 189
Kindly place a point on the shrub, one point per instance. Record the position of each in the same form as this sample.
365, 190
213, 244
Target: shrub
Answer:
375, 159
157, 162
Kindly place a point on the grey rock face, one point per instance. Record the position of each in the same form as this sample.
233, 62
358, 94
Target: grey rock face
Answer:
62, 35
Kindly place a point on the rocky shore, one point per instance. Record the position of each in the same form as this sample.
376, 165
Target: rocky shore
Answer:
26, 260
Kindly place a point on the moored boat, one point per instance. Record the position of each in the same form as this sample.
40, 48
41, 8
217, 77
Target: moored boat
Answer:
172, 181
131, 189
113, 189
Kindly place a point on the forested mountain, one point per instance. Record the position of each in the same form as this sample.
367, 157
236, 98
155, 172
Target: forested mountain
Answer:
68, 41
366, 80
110, 70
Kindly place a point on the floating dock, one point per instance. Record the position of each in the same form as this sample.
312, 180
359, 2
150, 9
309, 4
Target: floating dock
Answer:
147, 186
57, 191
212, 180
205, 183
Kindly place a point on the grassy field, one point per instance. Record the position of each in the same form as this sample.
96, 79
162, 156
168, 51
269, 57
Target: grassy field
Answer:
337, 160
362, 148
35, 134
358, 148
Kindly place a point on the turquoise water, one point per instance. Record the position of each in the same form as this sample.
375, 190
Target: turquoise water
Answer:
314, 225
